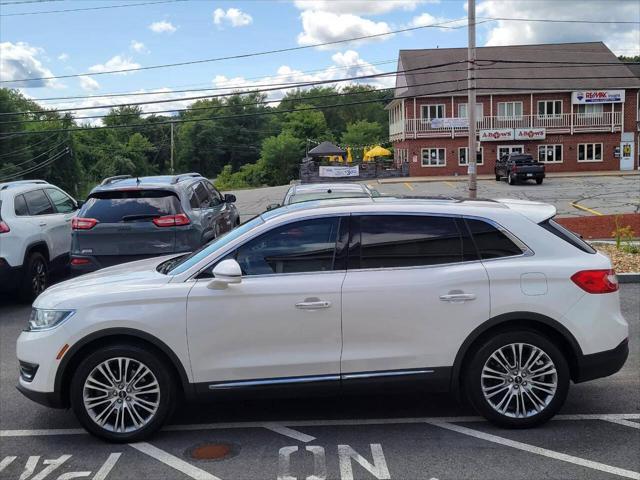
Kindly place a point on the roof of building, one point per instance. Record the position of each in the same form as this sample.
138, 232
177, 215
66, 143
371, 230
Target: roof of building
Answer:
520, 74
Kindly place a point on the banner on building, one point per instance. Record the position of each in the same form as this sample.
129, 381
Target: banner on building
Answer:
454, 122
530, 134
597, 96
338, 172
496, 135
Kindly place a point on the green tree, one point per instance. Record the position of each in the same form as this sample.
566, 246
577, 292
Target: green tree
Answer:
363, 133
281, 156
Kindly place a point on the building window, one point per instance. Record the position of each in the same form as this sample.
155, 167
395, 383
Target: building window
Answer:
462, 156
590, 152
510, 109
432, 111
462, 110
550, 153
401, 155
434, 157
590, 110
549, 108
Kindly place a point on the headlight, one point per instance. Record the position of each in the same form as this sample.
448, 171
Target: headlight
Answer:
47, 319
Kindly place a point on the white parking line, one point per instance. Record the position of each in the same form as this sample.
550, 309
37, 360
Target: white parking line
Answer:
626, 423
289, 432
538, 450
173, 461
320, 423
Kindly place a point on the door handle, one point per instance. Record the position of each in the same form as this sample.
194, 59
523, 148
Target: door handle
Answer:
313, 304
43, 224
457, 297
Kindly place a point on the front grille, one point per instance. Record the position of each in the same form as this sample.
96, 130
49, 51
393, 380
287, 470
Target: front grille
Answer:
28, 371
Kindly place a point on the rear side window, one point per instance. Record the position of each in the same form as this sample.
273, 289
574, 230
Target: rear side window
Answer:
130, 206
490, 241
566, 235
38, 203
388, 241
20, 206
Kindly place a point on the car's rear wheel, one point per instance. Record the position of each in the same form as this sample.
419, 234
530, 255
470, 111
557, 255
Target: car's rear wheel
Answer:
517, 379
498, 178
539, 181
511, 179
36, 277
122, 393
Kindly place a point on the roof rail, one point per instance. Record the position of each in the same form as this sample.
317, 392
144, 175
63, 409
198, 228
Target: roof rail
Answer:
4, 186
110, 180
184, 176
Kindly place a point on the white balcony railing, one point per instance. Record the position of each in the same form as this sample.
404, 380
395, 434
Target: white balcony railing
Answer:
567, 122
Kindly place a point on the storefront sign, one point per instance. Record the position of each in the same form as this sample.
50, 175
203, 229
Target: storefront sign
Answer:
455, 122
496, 135
530, 134
336, 172
598, 96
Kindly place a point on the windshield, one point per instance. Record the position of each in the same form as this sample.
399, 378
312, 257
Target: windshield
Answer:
324, 195
130, 205
185, 263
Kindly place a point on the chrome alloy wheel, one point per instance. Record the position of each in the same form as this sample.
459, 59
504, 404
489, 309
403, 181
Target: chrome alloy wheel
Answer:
121, 395
519, 380
39, 278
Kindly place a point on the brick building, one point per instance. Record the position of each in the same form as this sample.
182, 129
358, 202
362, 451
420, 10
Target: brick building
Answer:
578, 110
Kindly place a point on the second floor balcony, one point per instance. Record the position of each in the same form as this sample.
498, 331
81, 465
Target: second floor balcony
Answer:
458, 127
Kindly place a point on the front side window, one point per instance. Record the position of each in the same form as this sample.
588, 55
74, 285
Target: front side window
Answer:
390, 241
204, 198
510, 109
432, 111
550, 153
62, 202
590, 152
549, 108
38, 203
490, 241
434, 157
216, 197
305, 246
462, 156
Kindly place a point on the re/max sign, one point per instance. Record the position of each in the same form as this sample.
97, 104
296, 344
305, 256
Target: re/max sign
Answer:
597, 96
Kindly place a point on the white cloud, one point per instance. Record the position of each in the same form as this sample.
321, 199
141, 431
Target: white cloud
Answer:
63, 57
364, 7
322, 27
428, 19
115, 63
162, 27
138, 47
233, 16
20, 60
622, 39
88, 84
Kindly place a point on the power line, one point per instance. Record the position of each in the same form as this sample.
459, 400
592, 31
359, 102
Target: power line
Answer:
46, 163
27, 1
69, 10
28, 147
46, 152
556, 20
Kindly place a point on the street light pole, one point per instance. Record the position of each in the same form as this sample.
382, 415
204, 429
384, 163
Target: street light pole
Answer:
471, 100
172, 145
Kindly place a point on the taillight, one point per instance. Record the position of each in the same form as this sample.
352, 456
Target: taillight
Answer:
78, 223
514, 169
596, 281
172, 220
4, 228
80, 261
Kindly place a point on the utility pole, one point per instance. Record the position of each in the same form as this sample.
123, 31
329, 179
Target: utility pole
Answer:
171, 148
471, 99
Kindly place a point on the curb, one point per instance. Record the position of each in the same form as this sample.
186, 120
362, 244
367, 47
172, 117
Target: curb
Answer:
633, 277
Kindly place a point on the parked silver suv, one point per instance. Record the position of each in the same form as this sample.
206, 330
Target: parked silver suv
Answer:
127, 218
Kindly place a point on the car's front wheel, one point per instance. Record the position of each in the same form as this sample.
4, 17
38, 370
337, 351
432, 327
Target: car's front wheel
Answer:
517, 379
36, 277
122, 393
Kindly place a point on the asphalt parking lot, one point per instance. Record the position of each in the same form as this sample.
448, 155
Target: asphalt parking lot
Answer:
601, 194
384, 436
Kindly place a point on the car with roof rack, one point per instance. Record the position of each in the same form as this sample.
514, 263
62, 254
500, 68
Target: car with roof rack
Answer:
129, 218
324, 191
491, 300
35, 235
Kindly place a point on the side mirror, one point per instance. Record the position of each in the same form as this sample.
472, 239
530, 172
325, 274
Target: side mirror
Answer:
225, 273
229, 198
272, 206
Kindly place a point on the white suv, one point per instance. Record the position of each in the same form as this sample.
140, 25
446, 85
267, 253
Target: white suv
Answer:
35, 235
487, 298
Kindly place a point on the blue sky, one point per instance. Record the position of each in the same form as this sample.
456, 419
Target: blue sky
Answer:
95, 40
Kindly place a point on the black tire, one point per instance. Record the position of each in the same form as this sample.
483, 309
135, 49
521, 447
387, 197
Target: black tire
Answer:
553, 402
511, 179
166, 398
35, 278
539, 181
498, 178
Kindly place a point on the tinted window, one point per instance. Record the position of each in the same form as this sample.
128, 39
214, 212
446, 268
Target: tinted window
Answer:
306, 246
203, 196
216, 198
129, 206
408, 240
491, 242
20, 206
38, 203
61, 202
193, 199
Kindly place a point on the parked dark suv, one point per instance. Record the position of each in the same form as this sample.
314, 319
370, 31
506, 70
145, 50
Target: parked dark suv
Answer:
517, 167
126, 219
